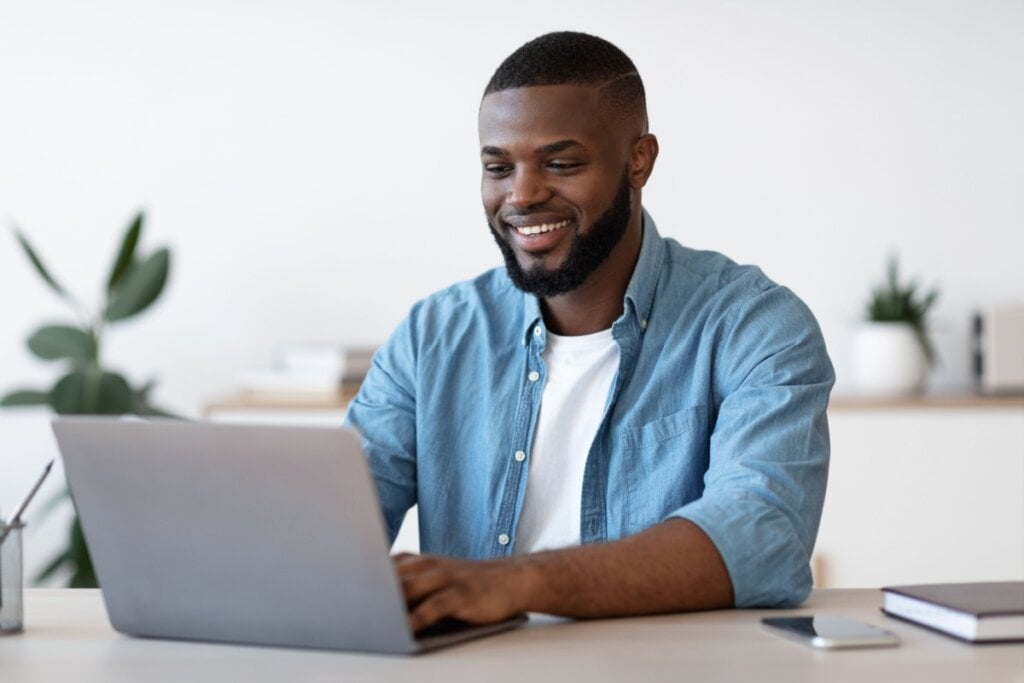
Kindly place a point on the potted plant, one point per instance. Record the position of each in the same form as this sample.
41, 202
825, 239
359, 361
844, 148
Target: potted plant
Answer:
86, 385
892, 350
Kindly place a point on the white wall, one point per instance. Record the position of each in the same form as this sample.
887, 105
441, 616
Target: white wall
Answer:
923, 496
314, 164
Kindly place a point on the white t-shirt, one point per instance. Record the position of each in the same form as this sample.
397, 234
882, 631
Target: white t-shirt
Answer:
580, 373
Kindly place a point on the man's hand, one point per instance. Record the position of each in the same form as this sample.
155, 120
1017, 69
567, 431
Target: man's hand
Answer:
479, 592
671, 567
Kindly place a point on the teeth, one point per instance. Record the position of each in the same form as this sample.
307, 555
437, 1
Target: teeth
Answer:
538, 229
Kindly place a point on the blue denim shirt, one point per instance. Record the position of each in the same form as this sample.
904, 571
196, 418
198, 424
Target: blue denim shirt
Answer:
716, 415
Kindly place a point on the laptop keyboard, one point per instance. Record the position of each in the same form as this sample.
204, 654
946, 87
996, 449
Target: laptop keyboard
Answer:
444, 627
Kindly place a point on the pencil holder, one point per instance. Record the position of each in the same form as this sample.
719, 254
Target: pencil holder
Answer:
11, 610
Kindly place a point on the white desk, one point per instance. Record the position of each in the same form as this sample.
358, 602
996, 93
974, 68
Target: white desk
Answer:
68, 638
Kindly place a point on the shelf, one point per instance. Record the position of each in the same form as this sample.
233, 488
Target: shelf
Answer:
284, 401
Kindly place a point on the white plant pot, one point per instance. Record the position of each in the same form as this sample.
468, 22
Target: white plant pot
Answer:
888, 360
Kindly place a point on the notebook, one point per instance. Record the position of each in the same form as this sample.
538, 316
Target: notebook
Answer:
977, 612
268, 535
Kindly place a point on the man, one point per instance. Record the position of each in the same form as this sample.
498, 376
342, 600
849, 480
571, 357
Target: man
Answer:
612, 424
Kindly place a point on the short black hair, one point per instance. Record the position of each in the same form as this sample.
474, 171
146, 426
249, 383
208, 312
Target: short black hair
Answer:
573, 58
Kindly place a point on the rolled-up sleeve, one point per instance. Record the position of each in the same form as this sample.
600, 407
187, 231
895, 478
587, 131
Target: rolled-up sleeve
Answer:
769, 450
384, 413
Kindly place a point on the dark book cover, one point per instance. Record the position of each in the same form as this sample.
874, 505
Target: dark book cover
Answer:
986, 599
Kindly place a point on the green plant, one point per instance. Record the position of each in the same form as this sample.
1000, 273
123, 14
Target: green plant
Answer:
86, 386
895, 302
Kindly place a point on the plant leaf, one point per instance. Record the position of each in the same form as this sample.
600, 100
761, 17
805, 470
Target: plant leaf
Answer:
147, 409
87, 391
126, 255
84, 575
115, 396
140, 287
55, 342
929, 301
68, 396
25, 397
38, 264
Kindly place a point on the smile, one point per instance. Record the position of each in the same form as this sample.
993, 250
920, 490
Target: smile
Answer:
542, 228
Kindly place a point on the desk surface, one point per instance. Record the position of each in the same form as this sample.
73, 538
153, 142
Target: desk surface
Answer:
68, 638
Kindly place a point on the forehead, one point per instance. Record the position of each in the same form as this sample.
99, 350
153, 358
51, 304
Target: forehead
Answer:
537, 115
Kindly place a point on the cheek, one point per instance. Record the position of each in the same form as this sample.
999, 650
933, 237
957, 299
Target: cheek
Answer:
597, 197
588, 204
492, 194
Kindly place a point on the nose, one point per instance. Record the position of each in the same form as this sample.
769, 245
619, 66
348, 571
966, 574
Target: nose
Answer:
527, 189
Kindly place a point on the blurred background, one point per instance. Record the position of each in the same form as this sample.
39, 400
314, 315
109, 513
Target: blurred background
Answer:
313, 165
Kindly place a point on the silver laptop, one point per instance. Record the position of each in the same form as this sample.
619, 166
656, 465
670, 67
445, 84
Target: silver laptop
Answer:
269, 535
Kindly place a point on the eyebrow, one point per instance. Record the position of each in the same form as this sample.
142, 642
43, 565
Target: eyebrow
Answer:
550, 148
559, 146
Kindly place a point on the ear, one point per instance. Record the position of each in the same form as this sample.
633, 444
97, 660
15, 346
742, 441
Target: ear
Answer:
641, 160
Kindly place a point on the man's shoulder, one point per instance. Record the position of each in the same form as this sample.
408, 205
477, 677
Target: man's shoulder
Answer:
703, 271
708, 285
449, 323
491, 292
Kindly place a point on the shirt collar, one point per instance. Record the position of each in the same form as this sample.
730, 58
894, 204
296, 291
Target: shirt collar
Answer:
640, 291
531, 316
641, 288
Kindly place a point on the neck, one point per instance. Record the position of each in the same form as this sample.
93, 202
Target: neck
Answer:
597, 303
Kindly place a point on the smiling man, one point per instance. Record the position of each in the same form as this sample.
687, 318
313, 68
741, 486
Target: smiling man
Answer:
612, 424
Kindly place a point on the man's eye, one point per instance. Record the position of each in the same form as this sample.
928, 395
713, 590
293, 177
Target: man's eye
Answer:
496, 169
563, 166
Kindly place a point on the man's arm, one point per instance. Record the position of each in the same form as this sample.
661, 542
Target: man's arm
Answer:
670, 567
384, 414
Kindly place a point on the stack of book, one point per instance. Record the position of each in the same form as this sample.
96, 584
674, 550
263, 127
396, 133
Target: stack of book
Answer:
308, 372
976, 612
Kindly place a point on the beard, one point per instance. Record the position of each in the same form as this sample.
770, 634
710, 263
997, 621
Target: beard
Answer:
586, 251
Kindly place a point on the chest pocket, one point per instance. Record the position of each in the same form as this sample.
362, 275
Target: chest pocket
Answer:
665, 462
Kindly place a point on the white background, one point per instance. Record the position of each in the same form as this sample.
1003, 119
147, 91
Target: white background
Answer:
314, 168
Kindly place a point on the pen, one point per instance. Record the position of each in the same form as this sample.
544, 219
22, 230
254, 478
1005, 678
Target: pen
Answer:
24, 504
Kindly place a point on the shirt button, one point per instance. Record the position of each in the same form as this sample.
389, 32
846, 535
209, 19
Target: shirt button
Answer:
520, 456
643, 324
533, 376
503, 539
536, 331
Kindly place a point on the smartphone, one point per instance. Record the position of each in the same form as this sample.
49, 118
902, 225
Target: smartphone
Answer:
831, 632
